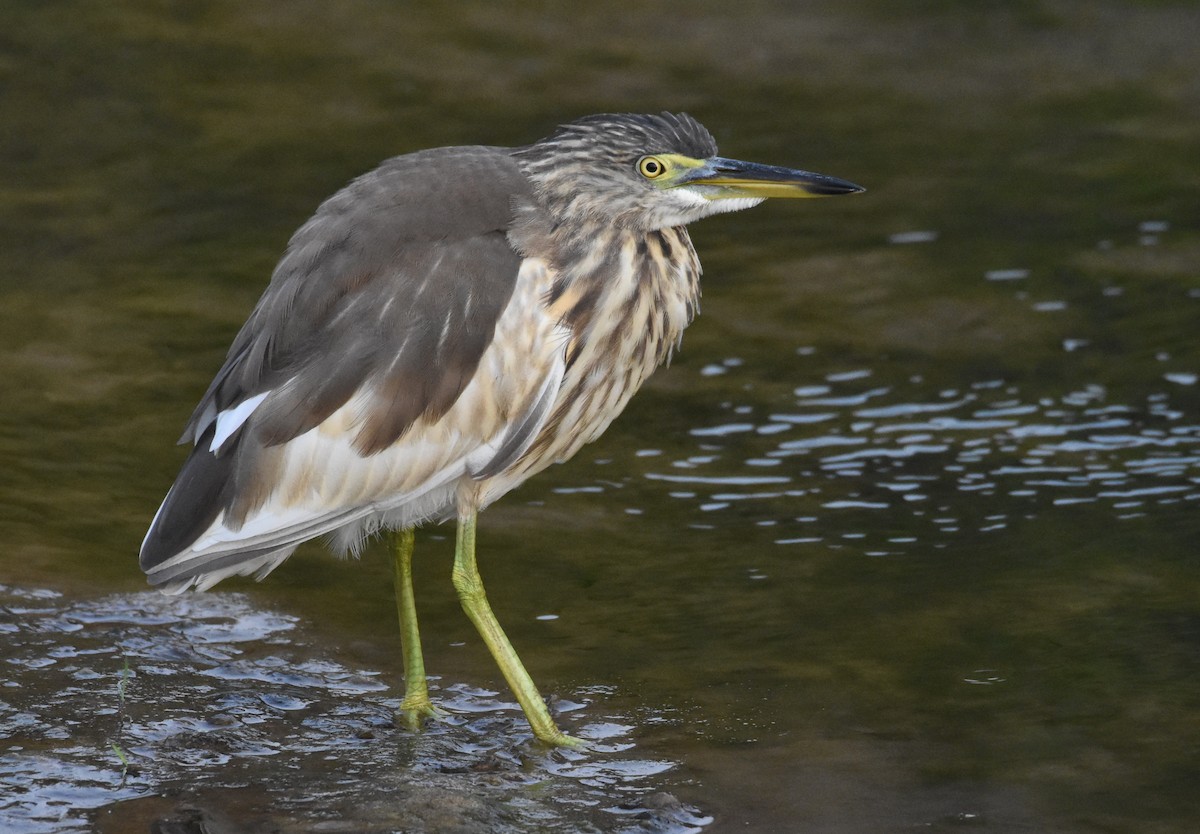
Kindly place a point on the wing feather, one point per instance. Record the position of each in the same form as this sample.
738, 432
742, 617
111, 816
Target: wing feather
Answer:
321, 483
390, 295
365, 289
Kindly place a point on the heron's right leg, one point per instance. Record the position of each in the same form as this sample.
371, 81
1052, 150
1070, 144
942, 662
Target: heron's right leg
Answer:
416, 704
474, 602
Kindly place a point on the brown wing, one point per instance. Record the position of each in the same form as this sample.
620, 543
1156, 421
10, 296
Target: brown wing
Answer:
398, 279
397, 283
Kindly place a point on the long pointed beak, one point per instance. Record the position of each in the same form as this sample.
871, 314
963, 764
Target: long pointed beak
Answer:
731, 178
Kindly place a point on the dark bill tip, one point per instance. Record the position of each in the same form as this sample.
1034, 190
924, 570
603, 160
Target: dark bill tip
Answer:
735, 178
832, 186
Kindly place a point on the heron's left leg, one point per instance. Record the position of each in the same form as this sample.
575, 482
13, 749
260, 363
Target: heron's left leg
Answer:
469, 585
416, 704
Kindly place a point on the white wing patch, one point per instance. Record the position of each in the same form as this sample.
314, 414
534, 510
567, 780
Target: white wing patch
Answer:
232, 419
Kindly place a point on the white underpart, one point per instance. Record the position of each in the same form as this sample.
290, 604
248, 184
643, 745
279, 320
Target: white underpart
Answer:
232, 419
325, 486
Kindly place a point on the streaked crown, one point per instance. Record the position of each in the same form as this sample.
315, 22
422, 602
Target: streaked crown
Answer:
586, 170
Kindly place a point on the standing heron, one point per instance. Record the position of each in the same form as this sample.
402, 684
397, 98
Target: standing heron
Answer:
443, 328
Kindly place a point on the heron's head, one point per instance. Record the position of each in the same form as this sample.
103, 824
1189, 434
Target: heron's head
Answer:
652, 172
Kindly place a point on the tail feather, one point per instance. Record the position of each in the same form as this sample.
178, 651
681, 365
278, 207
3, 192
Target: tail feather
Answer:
216, 569
257, 547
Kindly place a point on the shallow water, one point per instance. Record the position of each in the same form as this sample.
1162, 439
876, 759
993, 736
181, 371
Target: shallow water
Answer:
904, 539
227, 704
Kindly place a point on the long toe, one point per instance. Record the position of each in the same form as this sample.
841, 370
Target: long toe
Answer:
413, 713
558, 738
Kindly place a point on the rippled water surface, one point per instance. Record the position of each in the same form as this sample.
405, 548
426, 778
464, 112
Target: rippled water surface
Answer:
216, 699
904, 539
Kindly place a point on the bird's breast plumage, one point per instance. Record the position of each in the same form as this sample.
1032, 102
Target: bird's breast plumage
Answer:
622, 301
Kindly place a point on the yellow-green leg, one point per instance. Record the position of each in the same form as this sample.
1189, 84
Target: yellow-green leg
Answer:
474, 602
416, 705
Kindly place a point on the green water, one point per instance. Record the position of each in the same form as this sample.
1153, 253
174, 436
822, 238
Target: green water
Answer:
904, 539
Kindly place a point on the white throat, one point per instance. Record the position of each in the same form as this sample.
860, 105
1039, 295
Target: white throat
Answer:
686, 204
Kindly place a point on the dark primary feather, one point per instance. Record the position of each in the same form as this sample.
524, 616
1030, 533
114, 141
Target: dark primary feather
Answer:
189, 507
397, 281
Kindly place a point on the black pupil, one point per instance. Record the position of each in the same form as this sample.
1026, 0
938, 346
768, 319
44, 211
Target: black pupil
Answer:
652, 167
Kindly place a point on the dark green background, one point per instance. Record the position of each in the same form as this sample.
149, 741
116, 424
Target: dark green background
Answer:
155, 157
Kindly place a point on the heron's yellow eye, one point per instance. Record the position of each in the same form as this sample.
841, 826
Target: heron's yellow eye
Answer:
651, 167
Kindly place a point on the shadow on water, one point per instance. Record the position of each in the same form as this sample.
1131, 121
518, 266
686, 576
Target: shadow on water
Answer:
905, 539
